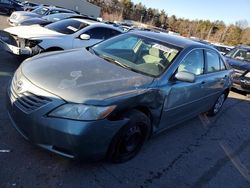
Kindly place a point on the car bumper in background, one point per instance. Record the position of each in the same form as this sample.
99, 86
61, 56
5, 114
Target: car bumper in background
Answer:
12, 22
241, 84
15, 50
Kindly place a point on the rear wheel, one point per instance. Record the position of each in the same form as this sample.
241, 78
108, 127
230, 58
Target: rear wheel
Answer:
130, 139
218, 105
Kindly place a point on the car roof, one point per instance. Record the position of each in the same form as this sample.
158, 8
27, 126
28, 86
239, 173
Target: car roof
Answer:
170, 39
90, 22
57, 8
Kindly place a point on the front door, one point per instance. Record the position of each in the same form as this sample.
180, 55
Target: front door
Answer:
184, 99
97, 34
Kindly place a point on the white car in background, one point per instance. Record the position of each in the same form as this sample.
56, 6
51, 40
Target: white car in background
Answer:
19, 16
65, 34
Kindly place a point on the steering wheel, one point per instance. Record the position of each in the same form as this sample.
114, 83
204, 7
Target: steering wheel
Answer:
159, 64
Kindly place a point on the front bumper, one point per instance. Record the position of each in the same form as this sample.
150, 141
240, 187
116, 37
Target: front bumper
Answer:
241, 81
242, 84
12, 22
15, 50
69, 138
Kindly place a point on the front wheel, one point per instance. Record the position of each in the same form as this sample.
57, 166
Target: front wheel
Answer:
218, 105
129, 140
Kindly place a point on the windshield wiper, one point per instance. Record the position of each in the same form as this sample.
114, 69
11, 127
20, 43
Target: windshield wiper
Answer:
112, 60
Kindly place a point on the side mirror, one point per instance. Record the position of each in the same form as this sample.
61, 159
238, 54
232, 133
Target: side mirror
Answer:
185, 77
84, 37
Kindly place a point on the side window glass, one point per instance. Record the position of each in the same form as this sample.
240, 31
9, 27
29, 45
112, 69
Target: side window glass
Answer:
193, 63
96, 33
213, 61
112, 33
54, 12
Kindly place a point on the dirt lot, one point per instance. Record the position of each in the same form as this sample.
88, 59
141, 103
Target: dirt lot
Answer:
203, 152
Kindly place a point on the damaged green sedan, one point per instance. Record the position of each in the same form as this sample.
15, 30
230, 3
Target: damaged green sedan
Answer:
107, 100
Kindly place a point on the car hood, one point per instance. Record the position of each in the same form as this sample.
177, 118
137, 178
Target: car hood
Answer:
35, 21
34, 31
21, 14
79, 76
238, 64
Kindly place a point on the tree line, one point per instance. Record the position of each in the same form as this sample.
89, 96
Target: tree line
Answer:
217, 31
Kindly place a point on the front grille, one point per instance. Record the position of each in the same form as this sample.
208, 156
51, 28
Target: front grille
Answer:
27, 101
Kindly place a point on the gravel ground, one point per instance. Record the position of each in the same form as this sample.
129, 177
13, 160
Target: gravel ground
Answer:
203, 152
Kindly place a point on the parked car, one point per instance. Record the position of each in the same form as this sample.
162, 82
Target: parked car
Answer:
107, 100
20, 16
223, 49
239, 59
61, 35
45, 20
9, 6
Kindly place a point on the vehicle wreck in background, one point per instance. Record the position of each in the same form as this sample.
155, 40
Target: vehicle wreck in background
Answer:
239, 60
61, 35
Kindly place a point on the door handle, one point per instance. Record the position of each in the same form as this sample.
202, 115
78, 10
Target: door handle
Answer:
202, 84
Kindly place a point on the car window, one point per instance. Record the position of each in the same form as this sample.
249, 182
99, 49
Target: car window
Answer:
193, 63
6, 2
56, 17
128, 43
239, 54
144, 55
68, 26
53, 12
112, 32
213, 61
97, 33
40, 11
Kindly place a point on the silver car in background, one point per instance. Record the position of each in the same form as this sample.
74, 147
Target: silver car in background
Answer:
20, 16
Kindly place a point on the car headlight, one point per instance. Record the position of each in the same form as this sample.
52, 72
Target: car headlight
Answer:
82, 112
247, 75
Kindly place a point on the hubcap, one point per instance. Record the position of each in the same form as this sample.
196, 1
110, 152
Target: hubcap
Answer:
131, 141
219, 103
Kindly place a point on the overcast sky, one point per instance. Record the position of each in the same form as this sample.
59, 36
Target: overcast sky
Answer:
228, 11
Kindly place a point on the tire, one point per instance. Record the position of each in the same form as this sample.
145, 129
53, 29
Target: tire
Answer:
218, 105
127, 143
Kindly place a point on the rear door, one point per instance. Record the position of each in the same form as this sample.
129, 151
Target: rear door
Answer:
216, 74
96, 34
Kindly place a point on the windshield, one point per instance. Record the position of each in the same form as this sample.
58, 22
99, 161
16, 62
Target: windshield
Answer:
68, 26
138, 53
57, 17
239, 54
40, 11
